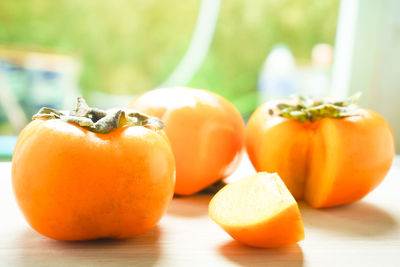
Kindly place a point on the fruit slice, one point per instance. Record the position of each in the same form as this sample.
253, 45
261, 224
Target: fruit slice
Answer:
258, 211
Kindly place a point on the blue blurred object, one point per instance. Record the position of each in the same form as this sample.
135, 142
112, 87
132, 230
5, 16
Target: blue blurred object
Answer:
278, 76
30, 80
7, 144
33, 88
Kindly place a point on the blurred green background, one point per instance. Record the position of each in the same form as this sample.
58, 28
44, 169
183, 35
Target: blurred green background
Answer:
130, 46
109, 51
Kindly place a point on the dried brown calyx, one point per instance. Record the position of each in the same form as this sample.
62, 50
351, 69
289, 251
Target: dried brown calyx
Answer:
100, 121
309, 110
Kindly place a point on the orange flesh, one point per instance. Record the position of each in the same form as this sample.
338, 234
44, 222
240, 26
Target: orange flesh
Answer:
328, 162
258, 211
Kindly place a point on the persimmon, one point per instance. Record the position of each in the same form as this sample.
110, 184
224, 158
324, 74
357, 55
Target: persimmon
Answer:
92, 174
206, 133
327, 153
258, 211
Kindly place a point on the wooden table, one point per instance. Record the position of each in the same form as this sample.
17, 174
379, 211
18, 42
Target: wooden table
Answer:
366, 233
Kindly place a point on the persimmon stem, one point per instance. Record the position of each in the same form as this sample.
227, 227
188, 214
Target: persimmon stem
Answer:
309, 110
100, 121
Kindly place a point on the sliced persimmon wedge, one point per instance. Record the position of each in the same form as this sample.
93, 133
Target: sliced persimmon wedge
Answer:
258, 211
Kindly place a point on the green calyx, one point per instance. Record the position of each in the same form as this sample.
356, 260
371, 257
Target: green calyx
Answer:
100, 121
309, 110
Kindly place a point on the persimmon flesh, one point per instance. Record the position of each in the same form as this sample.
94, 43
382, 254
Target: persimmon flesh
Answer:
332, 160
258, 211
73, 183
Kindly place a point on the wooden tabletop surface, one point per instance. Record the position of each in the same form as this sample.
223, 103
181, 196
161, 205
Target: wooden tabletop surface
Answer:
366, 233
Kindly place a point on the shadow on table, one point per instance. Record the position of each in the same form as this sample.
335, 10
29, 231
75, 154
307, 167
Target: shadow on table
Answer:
190, 206
290, 256
357, 219
143, 250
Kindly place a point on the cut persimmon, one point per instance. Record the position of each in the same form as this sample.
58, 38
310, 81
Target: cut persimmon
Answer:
327, 153
258, 211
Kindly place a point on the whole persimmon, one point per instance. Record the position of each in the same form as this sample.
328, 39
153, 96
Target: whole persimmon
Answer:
327, 153
92, 174
206, 133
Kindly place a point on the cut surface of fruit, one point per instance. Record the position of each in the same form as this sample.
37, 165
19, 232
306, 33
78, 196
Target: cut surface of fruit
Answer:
258, 211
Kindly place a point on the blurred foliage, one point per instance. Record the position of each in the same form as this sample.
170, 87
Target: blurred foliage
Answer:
246, 32
129, 46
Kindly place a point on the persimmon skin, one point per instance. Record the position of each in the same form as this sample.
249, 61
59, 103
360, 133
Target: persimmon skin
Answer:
328, 162
73, 184
205, 130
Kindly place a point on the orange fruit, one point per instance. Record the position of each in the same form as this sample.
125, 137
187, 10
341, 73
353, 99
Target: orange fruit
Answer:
205, 130
73, 183
327, 154
258, 211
